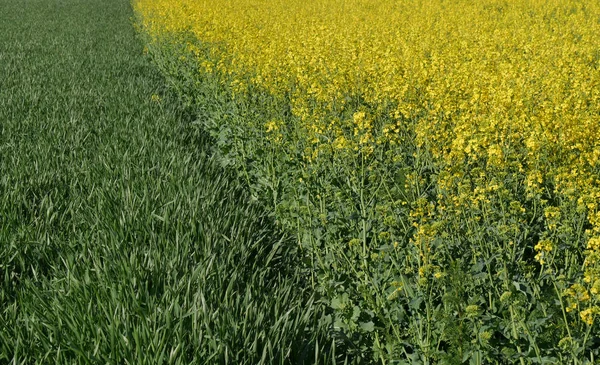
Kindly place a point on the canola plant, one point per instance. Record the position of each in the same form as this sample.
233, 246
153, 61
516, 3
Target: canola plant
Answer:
438, 160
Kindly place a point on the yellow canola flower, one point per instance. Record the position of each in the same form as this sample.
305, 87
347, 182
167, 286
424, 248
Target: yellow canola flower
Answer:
588, 315
577, 292
594, 244
543, 248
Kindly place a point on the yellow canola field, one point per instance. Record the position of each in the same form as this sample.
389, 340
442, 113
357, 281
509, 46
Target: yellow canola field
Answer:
501, 98
530, 64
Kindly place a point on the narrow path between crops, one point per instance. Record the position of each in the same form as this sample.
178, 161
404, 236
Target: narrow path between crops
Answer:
120, 240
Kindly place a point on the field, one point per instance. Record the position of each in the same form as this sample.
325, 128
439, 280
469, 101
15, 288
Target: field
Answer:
300, 182
122, 240
437, 162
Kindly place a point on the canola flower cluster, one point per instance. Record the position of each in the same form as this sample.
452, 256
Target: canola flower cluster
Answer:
490, 109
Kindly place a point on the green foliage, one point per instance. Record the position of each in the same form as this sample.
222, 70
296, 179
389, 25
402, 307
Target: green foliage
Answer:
122, 240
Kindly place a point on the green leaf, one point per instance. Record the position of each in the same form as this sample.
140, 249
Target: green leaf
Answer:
336, 303
367, 326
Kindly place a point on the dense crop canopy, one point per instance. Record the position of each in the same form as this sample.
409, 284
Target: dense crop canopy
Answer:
491, 107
